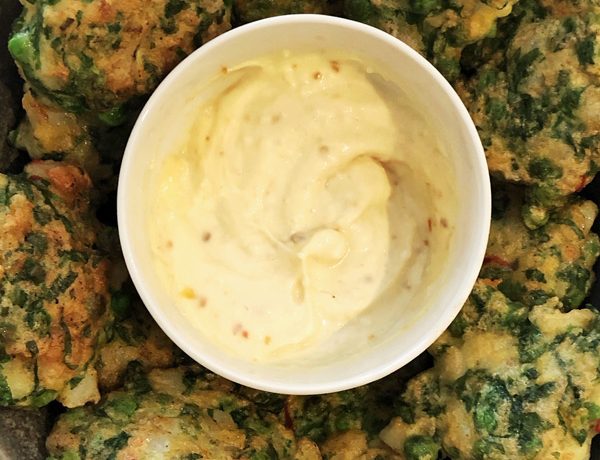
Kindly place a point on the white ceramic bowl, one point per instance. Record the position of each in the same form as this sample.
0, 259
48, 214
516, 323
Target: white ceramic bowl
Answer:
155, 133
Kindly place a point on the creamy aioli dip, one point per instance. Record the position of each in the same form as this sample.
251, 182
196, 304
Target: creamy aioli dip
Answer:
309, 191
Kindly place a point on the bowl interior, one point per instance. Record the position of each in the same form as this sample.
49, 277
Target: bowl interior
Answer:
403, 333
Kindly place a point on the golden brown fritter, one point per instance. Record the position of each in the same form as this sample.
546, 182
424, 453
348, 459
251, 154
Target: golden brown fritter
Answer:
134, 337
365, 409
354, 444
49, 130
555, 260
54, 285
340, 423
535, 107
437, 29
563, 8
508, 382
181, 413
344, 425
92, 67
96, 55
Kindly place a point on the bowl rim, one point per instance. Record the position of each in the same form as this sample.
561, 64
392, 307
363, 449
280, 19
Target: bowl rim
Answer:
212, 363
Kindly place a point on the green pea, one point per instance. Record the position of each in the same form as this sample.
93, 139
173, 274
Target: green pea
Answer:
421, 448
21, 47
43, 398
534, 216
424, 6
113, 117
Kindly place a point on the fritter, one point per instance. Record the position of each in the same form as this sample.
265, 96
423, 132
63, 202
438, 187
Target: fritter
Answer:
88, 65
437, 29
536, 108
346, 424
508, 382
51, 132
554, 260
354, 444
48, 131
561, 8
54, 287
366, 409
180, 413
491, 50
95, 56
134, 337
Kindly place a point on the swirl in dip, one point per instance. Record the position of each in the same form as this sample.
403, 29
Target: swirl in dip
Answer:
310, 194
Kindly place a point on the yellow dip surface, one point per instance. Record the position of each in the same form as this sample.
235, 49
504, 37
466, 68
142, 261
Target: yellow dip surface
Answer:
309, 191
